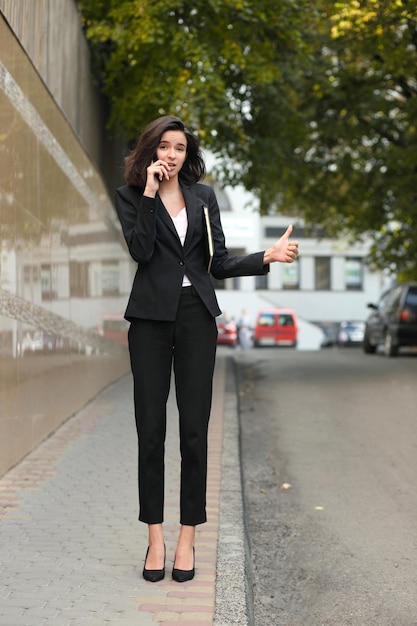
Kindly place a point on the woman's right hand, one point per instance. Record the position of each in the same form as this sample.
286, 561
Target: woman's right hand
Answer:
156, 172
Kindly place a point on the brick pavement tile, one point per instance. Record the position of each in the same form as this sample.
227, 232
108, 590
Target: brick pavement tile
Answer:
27, 620
45, 612
30, 598
165, 616
196, 600
181, 607
194, 594
102, 621
198, 587
196, 616
202, 620
12, 613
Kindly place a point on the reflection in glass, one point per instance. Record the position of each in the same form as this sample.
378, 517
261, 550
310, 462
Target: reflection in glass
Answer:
62, 263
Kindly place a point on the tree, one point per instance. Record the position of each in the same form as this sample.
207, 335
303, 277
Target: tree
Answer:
312, 106
199, 60
358, 162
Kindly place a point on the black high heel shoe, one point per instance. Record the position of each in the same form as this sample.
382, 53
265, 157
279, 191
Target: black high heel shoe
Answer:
154, 575
184, 575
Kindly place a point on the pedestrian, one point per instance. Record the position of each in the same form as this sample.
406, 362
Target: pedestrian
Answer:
171, 310
245, 330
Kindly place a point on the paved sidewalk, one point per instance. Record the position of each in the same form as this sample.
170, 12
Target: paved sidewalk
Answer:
71, 548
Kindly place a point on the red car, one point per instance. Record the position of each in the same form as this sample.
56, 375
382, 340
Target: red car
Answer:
227, 331
114, 327
276, 327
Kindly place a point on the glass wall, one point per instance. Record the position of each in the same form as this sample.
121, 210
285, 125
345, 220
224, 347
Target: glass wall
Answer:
63, 265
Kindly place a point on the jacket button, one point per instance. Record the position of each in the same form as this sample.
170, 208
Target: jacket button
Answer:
181, 262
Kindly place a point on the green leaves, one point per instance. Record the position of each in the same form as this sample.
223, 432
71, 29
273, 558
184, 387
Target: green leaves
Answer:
195, 60
312, 106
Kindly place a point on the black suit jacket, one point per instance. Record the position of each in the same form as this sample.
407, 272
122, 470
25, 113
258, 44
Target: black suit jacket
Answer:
154, 244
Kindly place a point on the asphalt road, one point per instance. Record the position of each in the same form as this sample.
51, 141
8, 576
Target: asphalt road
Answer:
329, 456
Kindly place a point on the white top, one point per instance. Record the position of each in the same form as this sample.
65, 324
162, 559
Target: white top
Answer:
181, 225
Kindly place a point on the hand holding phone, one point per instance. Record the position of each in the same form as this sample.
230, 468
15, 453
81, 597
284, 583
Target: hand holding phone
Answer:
156, 172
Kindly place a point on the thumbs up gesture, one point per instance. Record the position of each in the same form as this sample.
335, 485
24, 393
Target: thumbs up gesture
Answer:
283, 250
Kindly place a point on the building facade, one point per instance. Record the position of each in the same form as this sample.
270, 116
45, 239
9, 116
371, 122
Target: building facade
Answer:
330, 282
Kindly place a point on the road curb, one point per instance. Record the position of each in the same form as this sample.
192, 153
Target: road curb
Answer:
234, 603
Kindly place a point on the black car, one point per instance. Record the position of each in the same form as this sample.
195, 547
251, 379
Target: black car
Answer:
393, 321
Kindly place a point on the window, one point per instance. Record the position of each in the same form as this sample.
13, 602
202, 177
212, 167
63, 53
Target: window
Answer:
322, 273
266, 319
30, 273
110, 278
353, 274
78, 280
285, 319
391, 300
291, 277
48, 282
411, 297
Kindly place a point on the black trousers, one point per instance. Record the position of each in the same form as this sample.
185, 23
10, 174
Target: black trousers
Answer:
189, 346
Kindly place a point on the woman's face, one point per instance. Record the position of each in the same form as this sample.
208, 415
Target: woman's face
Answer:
173, 150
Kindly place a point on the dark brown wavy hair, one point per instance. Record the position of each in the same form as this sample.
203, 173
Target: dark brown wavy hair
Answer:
144, 152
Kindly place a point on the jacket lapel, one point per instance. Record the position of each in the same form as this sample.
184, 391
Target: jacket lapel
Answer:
191, 204
165, 216
167, 220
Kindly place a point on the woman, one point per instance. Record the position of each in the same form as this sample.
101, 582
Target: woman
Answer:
172, 309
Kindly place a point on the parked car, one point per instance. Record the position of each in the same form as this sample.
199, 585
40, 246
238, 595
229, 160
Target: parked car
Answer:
393, 321
114, 327
330, 331
275, 327
227, 331
39, 342
350, 333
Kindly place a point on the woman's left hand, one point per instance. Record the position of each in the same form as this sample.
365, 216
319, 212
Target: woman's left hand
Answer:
283, 250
